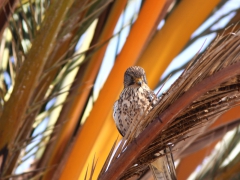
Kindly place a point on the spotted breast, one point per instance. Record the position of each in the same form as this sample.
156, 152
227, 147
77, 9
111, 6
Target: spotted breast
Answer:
135, 101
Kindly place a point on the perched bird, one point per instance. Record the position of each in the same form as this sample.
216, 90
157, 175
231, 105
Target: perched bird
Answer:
135, 101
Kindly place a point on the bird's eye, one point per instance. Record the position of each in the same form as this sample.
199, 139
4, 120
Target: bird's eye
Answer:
128, 80
131, 80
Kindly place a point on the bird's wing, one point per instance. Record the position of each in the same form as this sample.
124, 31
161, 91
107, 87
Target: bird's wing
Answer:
150, 95
115, 106
164, 168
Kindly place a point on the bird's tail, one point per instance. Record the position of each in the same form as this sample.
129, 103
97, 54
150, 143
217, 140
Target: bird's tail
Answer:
164, 168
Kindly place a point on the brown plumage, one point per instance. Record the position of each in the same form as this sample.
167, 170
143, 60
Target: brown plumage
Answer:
135, 100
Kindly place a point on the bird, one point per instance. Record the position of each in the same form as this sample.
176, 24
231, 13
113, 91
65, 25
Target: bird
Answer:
135, 101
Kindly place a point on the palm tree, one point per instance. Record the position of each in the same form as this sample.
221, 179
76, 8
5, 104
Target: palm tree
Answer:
62, 65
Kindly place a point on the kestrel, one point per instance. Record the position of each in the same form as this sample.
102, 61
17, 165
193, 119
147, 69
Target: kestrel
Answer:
135, 101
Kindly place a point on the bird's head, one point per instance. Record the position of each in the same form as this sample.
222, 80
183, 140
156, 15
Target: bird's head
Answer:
134, 75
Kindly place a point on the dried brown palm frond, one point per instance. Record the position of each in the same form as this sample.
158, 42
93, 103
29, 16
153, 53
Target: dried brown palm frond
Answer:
208, 87
215, 167
209, 137
91, 171
25, 27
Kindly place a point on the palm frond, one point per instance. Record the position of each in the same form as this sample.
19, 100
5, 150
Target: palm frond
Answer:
209, 137
216, 62
215, 167
51, 59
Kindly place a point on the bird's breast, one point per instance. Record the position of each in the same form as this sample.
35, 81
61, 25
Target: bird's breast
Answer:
132, 105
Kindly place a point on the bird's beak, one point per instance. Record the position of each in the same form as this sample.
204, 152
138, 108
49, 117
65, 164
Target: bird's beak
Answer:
139, 81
